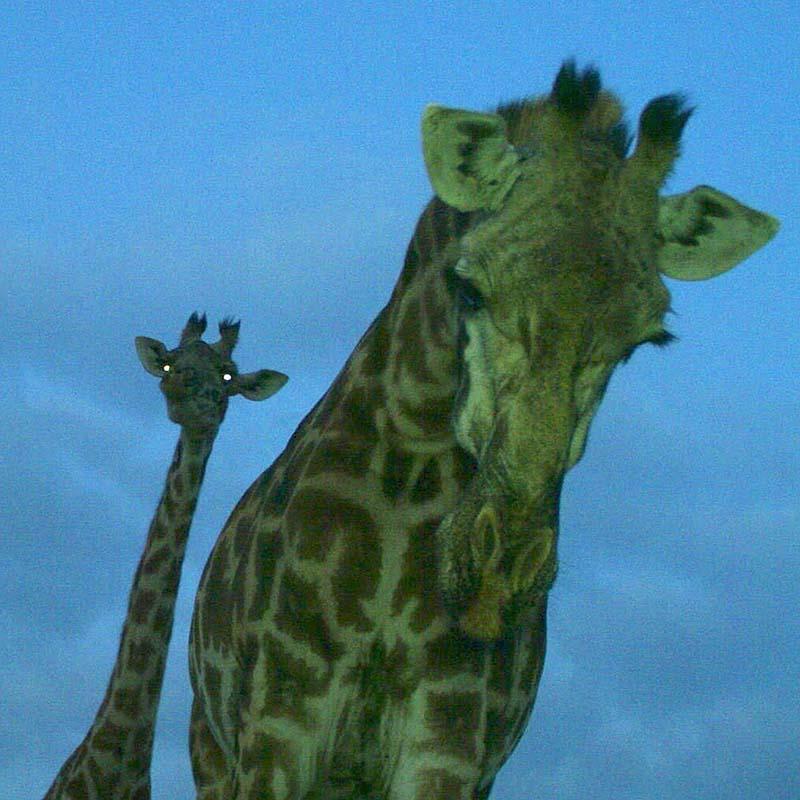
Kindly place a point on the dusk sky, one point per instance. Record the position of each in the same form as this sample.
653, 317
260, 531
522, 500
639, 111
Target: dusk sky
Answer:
262, 160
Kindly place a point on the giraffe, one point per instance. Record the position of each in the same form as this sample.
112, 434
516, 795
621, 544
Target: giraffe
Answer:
370, 624
113, 760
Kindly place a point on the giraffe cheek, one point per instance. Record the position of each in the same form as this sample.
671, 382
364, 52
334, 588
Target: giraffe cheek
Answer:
475, 404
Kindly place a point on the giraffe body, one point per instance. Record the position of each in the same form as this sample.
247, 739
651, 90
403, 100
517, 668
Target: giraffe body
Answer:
371, 622
113, 760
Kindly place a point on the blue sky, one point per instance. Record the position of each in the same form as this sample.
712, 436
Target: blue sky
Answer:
263, 160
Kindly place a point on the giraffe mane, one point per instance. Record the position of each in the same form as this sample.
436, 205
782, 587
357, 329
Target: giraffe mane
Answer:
595, 114
580, 102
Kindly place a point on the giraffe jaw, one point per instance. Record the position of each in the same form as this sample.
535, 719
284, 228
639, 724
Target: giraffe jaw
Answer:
496, 561
501, 600
190, 420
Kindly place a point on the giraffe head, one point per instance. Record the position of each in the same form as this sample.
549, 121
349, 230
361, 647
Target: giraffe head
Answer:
198, 378
558, 281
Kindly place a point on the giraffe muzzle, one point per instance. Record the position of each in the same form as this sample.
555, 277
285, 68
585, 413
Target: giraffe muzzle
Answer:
510, 577
497, 559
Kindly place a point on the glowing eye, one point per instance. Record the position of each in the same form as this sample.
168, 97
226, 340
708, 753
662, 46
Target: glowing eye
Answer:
166, 367
227, 377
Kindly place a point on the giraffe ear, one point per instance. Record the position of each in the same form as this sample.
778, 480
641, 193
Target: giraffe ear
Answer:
705, 232
259, 385
152, 354
470, 163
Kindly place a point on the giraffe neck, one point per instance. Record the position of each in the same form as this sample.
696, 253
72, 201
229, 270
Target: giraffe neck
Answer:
116, 752
379, 445
402, 374
336, 541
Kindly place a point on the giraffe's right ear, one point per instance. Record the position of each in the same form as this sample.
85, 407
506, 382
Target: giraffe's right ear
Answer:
258, 385
152, 354
469, 160
705, 232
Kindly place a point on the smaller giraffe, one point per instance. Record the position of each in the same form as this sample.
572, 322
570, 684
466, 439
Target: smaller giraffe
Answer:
113, 760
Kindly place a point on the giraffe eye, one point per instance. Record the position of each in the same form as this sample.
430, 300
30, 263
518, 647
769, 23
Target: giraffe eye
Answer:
469, 295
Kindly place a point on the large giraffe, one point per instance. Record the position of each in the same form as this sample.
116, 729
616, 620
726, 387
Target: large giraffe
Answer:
371, 622
113, 760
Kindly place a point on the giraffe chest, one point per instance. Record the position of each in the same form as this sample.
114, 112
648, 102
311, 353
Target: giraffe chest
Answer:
322, 623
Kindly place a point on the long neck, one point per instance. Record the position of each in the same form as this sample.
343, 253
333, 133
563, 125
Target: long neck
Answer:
421, 362
387, 415
118, 747
405, 365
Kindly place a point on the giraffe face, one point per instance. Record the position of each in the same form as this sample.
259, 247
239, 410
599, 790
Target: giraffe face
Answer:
197, 378
545, 319
548, 307
196, 382
558, 282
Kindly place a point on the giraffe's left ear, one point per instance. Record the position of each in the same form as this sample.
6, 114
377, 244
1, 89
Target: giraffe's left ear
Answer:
469, 160
152, 354
259, 385
705, 232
